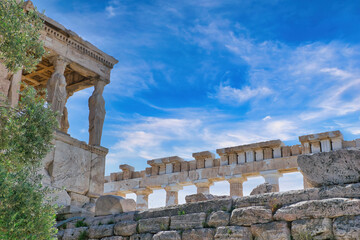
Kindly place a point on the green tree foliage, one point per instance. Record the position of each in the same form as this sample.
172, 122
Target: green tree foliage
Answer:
20, 44
25, 138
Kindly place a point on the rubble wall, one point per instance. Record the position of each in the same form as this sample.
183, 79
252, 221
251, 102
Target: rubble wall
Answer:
330, 212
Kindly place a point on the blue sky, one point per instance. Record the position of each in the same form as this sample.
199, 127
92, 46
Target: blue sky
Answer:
201, 75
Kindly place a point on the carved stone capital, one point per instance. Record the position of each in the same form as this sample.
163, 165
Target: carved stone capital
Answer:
101, 80
60, 63
173, 188
203, 183
236, 179
143, 191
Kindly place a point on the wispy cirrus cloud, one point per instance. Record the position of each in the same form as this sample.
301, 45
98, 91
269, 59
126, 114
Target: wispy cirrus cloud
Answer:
143, 138
235, 96
131, 78
114, 8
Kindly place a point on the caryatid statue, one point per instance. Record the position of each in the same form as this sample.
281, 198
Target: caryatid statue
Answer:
56, 88
64, 127
97, 113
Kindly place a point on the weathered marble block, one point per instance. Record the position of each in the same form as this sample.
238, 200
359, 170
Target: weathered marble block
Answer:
327, 208
125, 228
187, 221
329, 168
153, 225
219, 218
71, 168
250, 215
272, 230
320, 228
233, 233
101, 231
167, 235
146, 236
199, 234
110, 204
347, 227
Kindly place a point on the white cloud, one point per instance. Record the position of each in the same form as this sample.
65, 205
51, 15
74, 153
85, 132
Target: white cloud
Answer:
235, 96
131, 78
148, 138
114, 8
354, 130
321, 79
337, 72
145, 138
111, 11
266, 118
337, 100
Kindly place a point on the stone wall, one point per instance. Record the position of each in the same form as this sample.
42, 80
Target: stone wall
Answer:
76, 167
331, 212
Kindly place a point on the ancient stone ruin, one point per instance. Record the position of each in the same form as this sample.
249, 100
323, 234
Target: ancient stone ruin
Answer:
328, 211
94, 205
327, 208
70, 65
269, 159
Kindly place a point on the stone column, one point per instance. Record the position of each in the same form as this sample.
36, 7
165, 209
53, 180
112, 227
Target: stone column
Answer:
56, 87
259, 154
236, 185
203, 186
325, 145
224, 159
250, 156
315, 147
241, 157
172, 194
13, 95
336, 143
142, 198
96, 113
272, 177
64, 126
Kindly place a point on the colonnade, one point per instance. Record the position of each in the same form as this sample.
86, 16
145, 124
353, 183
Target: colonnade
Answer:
203, 186
269, 160
58, 96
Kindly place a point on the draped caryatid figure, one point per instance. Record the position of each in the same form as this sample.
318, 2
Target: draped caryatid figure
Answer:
56, 88
97, 113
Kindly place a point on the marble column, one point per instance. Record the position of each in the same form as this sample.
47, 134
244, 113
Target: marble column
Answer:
14, 89
56, 87
325, 145
315, 147
96, 113
224, 159
142, 198
172, 194
272, 177
203, 186
337, 143
64, 126
236, 185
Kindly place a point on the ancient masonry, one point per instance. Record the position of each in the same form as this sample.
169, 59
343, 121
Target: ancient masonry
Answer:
329, 210
70, 65
269, 159
94, 205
